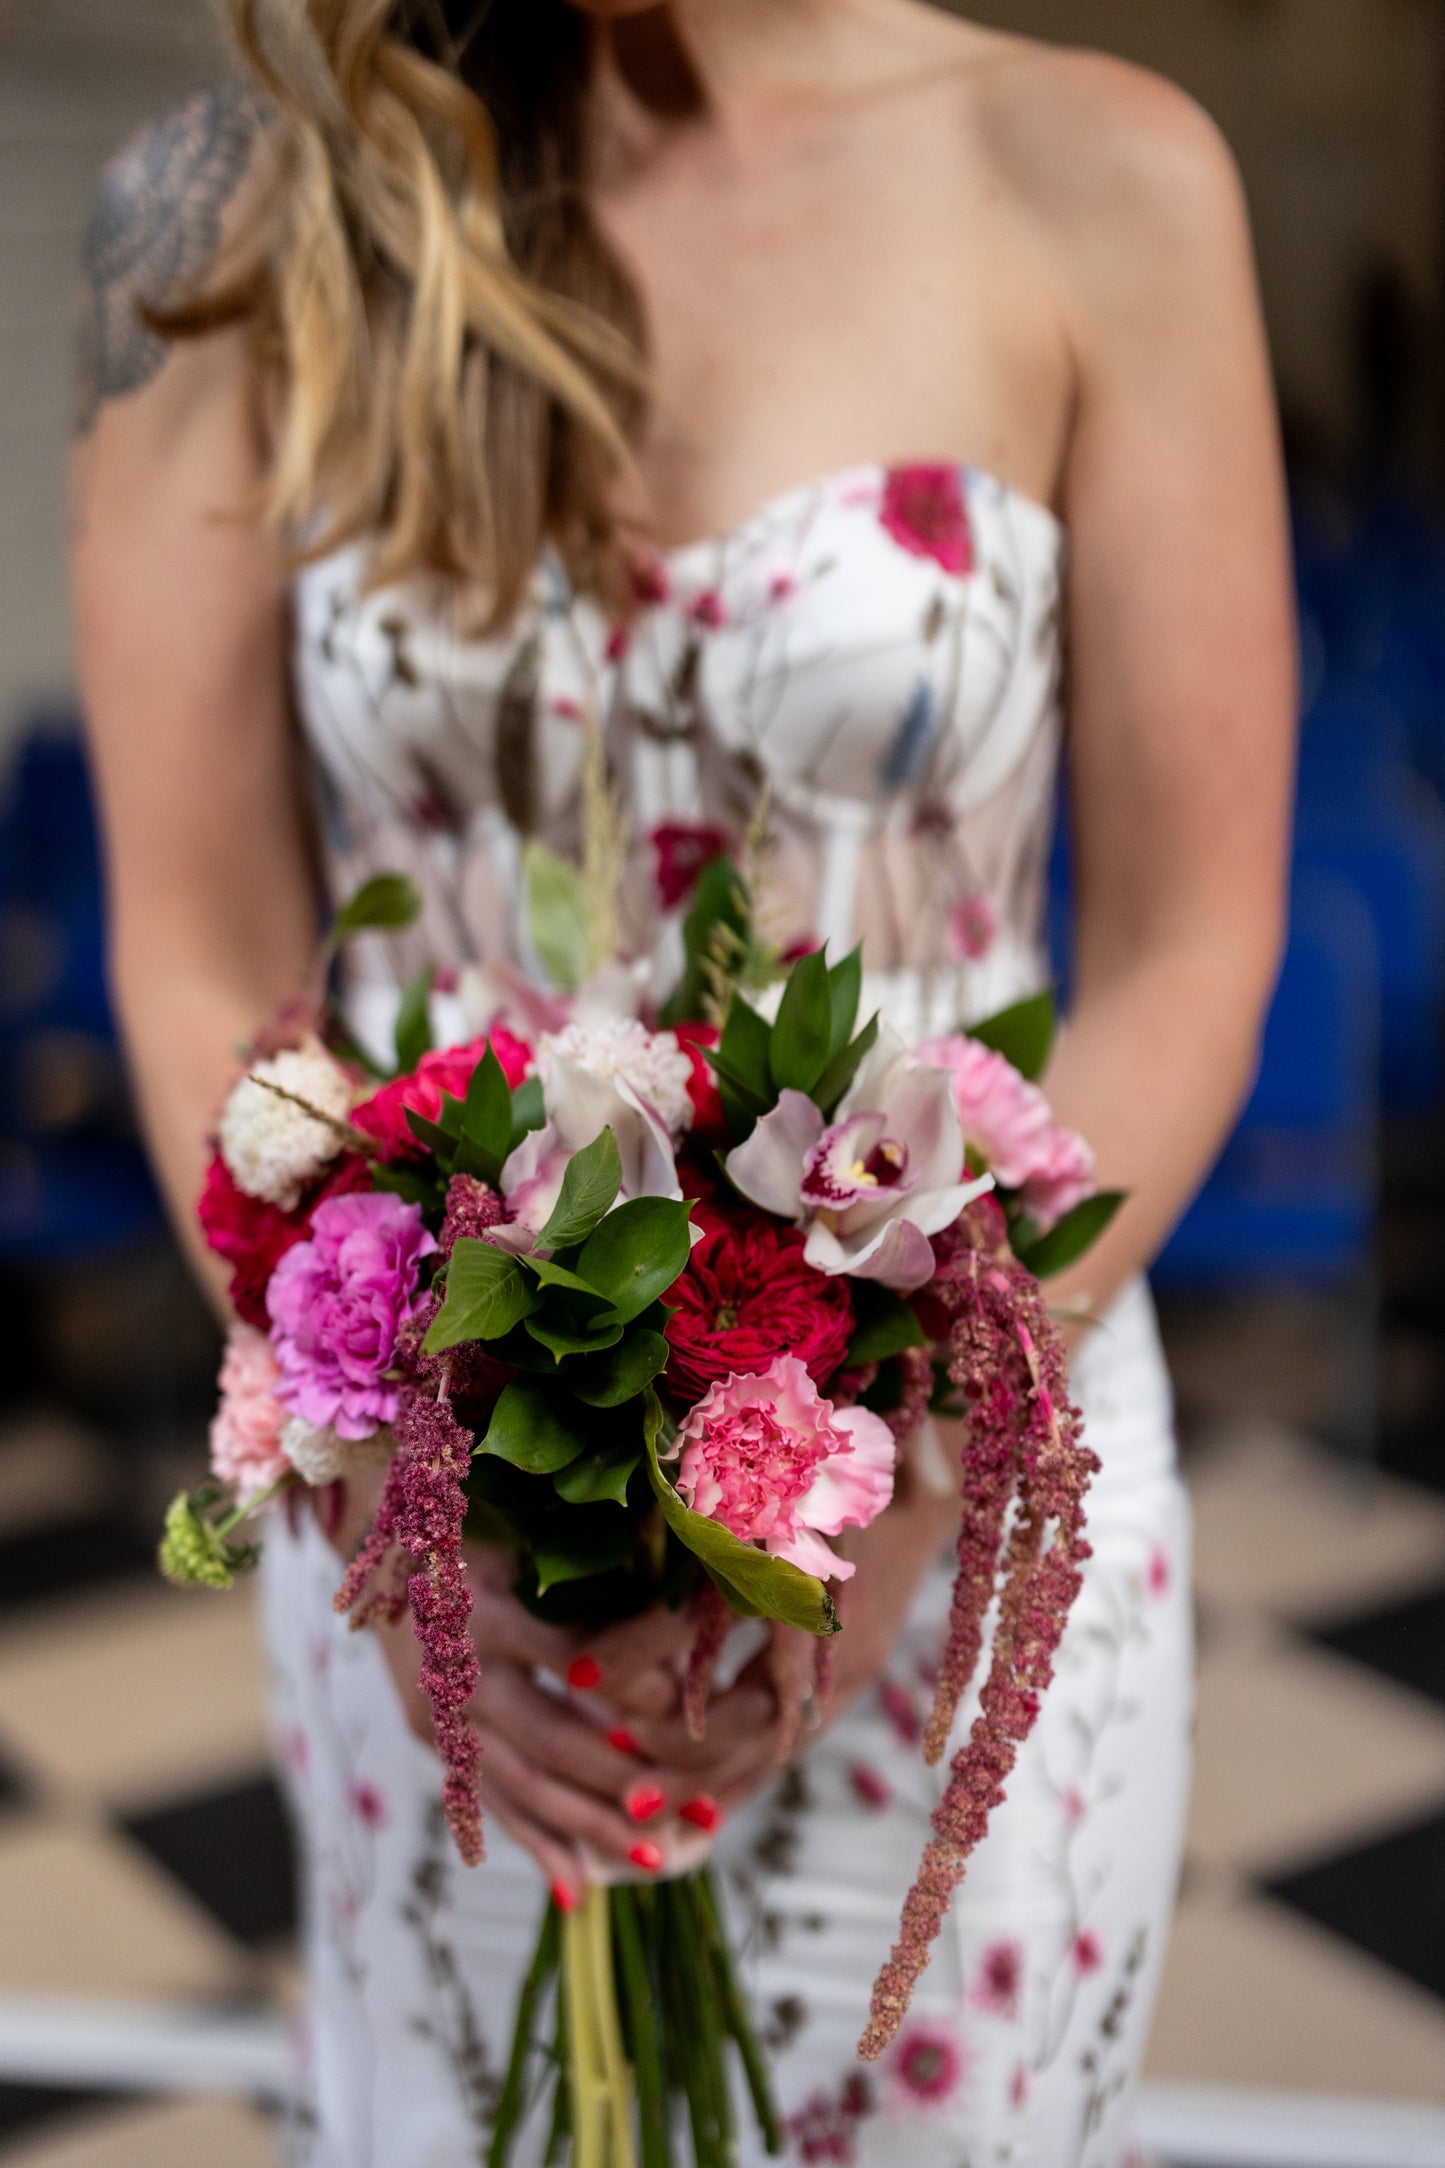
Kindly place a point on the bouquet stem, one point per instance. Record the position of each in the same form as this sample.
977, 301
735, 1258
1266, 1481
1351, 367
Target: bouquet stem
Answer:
646, 2001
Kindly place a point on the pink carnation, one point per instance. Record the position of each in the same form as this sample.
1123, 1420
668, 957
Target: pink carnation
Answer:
337, 1304
1009, 1122
446, 1069
772, 1461
246, 1428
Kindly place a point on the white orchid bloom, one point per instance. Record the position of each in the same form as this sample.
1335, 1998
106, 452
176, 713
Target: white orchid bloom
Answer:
872, 1186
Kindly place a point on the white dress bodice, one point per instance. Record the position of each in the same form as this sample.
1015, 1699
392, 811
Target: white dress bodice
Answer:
874, 659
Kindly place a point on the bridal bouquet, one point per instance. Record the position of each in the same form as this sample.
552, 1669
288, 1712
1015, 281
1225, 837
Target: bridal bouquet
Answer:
654, 1302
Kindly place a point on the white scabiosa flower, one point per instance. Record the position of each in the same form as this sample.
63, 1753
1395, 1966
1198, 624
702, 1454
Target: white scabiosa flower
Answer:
276, 1140
651, 1062
320, 1456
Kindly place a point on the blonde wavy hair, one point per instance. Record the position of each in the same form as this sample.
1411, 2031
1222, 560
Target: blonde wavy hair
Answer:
459, 351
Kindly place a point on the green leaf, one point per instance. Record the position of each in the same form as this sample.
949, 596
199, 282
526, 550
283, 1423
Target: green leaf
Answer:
563, 1339
530, 1432
1023, 1034
556, 900
487, 1111
757, 1103
885, 1324
742, 1050
601, 1474
798, 1052
637, 1253
589, 1190
839, 1074
551, 1274
719, 904
620, 1376
845, 991
413, 1036
383, 904
436, 1139
573, 1548
528, 1109
752, 1581
487, 1294
1075, 1233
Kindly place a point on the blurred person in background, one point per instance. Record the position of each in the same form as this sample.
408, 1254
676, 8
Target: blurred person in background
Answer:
811, 376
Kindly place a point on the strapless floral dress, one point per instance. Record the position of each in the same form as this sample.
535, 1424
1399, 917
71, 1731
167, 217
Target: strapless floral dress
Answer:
876, 661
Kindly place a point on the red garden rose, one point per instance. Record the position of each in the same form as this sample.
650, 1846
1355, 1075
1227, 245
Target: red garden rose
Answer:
446, 1069
747, 1296
924, 511
254, 1236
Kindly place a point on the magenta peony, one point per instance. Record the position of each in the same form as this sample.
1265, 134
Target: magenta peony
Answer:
772, 1461
337, 1304
246, 1429
1008, 1121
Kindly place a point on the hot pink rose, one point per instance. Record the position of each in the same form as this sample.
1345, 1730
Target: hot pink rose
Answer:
246, 1428
924, 511
772, 1461
1009, 1122
337, 1304
446, 1069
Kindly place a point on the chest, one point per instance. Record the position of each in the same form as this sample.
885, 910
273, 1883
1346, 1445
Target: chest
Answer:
859, 291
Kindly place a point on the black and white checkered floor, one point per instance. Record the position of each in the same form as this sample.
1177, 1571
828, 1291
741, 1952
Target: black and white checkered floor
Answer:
143, 1856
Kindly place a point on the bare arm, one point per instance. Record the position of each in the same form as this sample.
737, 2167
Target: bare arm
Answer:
181, 623
1182, 660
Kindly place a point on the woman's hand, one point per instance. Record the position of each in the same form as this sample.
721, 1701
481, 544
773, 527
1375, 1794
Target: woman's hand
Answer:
552, 1773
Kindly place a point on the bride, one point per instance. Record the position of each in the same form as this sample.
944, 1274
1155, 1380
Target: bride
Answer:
842, 402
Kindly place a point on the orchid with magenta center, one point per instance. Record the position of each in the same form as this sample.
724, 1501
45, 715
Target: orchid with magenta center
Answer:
873, 1186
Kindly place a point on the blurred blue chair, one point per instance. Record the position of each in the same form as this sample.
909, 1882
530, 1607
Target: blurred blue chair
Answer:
1293, 1200
1387, 840
73, 1180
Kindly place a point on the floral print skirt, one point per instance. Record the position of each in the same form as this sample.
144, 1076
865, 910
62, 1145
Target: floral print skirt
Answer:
1024, 2043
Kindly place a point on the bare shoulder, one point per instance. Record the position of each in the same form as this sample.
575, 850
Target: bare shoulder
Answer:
155, 235
1109, 156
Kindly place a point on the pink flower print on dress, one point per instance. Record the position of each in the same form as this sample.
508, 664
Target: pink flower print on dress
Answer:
924, 511
708, 610
682, 851
619, 643
927, 2065
781, 588
1074, 1806
367, 1803
1159, 1574
972, 929
293, 1751
870, 1787
651, 583
1018, 2092
566, 708
1088, 1952
999, 1986
768, 1458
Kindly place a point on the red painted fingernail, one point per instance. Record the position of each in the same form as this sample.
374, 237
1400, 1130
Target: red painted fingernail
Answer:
623, 1740
643, 1801
704, 1813
647, 1857
583, 1673
564, 1897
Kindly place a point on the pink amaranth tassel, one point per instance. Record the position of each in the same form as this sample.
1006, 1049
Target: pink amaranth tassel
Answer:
714, 1623
1024, 1447
419, 1519
472, 1209
912, 1410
